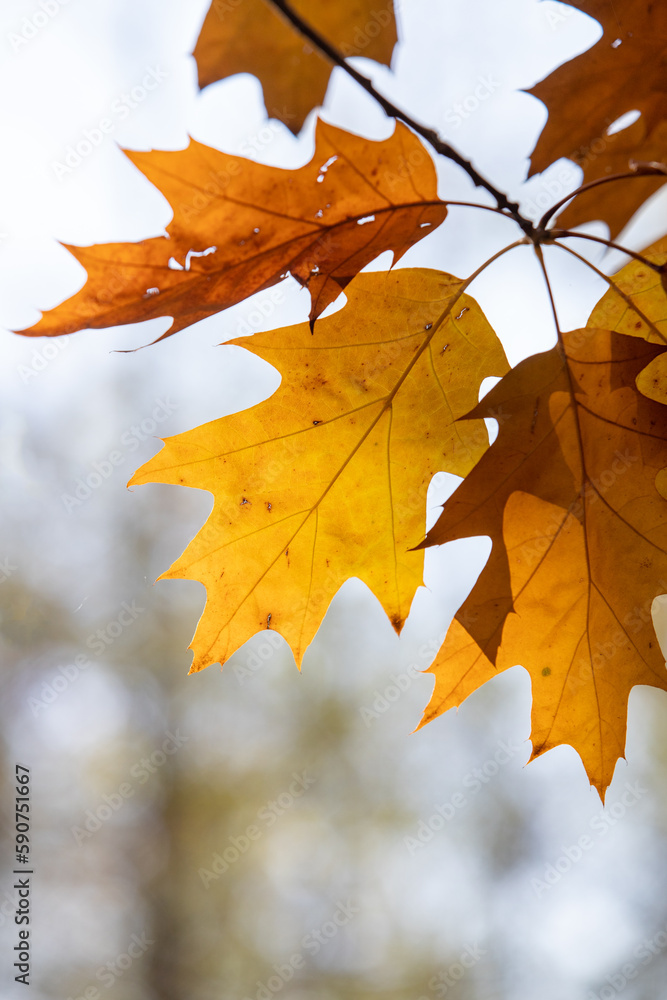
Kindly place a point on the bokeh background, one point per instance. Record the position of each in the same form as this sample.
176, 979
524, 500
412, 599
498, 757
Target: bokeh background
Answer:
296, 840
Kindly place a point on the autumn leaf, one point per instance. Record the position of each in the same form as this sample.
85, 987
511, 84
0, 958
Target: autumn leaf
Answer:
617, 202
253, 37
636, 303
240, 227
624, 71
327, 479
567, 495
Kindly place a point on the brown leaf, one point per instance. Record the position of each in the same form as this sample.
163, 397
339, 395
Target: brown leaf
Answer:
251, 36
240, 227
636, 305
617, 202
624, 71
567, 495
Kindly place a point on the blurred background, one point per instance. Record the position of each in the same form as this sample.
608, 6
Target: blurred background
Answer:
259, 831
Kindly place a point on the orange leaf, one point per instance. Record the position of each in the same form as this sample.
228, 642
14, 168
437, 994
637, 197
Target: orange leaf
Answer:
240, 227
253, 37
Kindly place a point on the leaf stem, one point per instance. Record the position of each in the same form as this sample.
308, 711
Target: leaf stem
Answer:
641, 170
567, 233
619, 291
585, 478
476, 204
506, 206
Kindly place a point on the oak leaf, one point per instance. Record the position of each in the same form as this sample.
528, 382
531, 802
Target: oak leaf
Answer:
636, 302
624, 71
240, 227
252, 36
567, 495
327, 479
615, 203
636, 305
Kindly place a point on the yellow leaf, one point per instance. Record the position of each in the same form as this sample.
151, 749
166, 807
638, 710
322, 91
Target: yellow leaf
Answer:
636, 303
327, 479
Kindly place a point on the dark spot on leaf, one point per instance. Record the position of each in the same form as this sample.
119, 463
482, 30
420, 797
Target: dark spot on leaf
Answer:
546, 671
268, 505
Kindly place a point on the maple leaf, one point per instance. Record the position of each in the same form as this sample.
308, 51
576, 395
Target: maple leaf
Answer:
327, 479
240, 227
253, 37
624, 71
567, 495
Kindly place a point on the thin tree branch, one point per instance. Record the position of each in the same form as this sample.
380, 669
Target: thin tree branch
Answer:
443, 148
